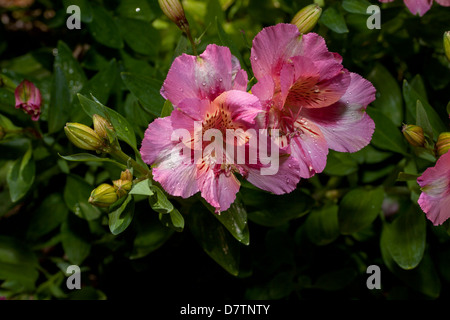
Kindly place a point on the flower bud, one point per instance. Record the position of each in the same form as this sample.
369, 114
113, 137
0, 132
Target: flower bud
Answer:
124, 184
103, 196
443, 143
414, 135
103, 128
306, 19
28, 98
447, 44
83, 137
173, 9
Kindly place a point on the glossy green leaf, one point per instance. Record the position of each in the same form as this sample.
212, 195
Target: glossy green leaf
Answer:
359, 208
334, 20
120, 219
104, 29
167, 109
159, 202
49, 215
422, 119
340, 164
73, 73
140, 36
21, 175
406, 238
76, 195
174, 220
147, 90
74, 241
215, 239
321, 226
142, 188
59, 109
150, 235
121, 126
17, 262
387, 135
389, 98
356, 6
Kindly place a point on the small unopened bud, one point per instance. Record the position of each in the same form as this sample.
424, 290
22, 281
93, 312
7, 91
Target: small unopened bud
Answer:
28, 98
124, 184
447, 44
83, 137
443, 143
414, 135
103, 128
103, 196
306, 19
173, 9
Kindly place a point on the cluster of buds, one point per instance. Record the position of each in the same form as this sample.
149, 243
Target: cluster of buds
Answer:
306, 19
99, 139
105, 194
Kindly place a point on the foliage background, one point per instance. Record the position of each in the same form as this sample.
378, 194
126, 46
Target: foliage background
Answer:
312, 244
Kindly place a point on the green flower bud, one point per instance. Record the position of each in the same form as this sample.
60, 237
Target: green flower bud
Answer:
173, 9
443, 143
103, 128
103, 196
414, 135
83, 137
447, 44
306, 19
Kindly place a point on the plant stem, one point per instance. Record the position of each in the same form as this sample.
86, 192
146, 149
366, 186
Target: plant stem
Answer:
124, 158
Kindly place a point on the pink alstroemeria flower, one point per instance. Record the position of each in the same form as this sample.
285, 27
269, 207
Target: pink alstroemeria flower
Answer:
435, 185
309, 96
28, 98
420, 6
210, 91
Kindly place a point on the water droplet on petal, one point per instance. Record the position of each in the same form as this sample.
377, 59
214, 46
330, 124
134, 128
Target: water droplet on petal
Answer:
203, 83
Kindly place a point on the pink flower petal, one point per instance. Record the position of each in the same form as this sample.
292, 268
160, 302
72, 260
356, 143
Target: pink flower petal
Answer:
243, 106
435, 185
445, 3
418, 6
203, 77
310, 149
219, 190
178, 179
157, 141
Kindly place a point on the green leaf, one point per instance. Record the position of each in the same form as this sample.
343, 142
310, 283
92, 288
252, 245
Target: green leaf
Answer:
387, 135
424, 278
359, 208
406, 238
235, 220
121, 218
174, 220
136, 9
356, 6
142, 188
147, 90
321, 226
422, 119
85, 9
167, 109
150, 235
104, 29
87, 157
214, 238
140, 36
389, 98
121, 126
274, 210
159, 201
21, 175
340, 164
411, 97
76, 195
58, 112
334, 20
17, 262
74, 240
49, 215
73, 73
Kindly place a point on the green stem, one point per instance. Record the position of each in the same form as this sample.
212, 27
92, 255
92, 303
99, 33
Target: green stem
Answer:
124, 158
